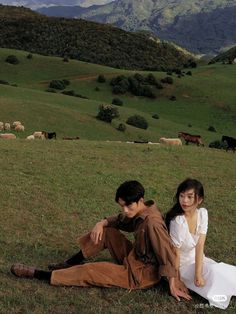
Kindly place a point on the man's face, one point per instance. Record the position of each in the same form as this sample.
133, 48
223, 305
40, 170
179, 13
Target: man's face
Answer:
132, 209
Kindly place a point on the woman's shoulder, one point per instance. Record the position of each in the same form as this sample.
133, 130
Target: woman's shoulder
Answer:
203, 211
179, 220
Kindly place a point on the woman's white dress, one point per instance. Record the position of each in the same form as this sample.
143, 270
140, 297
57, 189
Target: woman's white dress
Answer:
220, 278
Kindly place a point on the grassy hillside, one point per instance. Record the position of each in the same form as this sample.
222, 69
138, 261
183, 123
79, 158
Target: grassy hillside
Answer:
207, 98
86, 41
46, 202
46, 196
227, 56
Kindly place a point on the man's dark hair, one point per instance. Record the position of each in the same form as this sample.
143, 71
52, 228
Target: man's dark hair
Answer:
130, 192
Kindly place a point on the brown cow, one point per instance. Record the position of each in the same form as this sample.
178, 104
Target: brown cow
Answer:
189, 138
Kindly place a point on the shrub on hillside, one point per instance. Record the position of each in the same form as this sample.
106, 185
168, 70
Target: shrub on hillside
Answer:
57, 84
4, 82
65, 59
101, 78
66, 82
29, 56
121, 127
117, 102
107, 113
167, 80
172, 98
155, 116
69, 92
12, 59
146, 91
211, 129
151, 79
120, 84
216, 144
97, 89
137, 121
139, 77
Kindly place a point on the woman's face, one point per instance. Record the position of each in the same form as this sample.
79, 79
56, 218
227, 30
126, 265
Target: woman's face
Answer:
188, 200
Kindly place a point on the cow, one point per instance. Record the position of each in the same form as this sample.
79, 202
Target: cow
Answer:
230, 141
71, 138
189, 138
170, 141
49, 135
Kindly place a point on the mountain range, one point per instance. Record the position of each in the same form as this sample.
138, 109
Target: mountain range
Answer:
35, 4
24, 29
201, 26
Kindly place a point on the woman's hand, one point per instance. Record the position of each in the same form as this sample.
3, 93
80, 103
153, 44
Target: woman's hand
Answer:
199, 281
97, 231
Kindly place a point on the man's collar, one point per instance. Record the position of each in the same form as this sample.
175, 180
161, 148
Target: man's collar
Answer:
146, 211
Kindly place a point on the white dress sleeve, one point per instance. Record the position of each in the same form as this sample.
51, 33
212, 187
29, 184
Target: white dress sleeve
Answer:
177, 231
203, 221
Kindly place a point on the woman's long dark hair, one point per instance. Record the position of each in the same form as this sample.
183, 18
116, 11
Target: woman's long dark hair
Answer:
186, 185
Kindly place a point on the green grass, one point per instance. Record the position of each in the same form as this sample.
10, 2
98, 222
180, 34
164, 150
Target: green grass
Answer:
205, 99
53, 191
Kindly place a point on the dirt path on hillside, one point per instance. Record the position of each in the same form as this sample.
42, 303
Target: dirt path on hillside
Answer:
81, 78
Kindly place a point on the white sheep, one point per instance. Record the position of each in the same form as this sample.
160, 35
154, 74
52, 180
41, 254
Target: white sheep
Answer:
170, 141
20, 128
30, 137
7, 126
15, 123
39, 135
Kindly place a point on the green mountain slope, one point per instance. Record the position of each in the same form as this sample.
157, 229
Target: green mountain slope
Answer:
207, 98
86, 41
228, 56
202, 26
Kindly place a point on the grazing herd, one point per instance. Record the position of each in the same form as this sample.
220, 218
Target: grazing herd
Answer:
229, 142
19, 127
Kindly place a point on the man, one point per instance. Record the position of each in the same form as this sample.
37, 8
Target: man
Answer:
139, 265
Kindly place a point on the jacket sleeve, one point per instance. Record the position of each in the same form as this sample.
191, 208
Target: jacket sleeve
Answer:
120, 222
162, 247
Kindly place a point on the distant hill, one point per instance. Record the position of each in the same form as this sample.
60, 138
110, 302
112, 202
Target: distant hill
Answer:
201, 26
228, 56
35, 4
21, 28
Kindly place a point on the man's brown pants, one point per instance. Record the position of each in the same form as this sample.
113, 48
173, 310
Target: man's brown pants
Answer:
129, 273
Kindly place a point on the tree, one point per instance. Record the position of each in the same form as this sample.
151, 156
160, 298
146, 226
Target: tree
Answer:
107, 113
101, 78
12, 59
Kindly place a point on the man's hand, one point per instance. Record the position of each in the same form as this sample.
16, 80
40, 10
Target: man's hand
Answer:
181, 286
97, 231
178, 289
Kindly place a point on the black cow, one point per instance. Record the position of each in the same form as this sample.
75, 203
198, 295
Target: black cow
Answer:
230, 141
49, 135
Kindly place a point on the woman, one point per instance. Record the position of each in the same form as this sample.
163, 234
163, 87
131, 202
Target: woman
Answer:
187, 223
